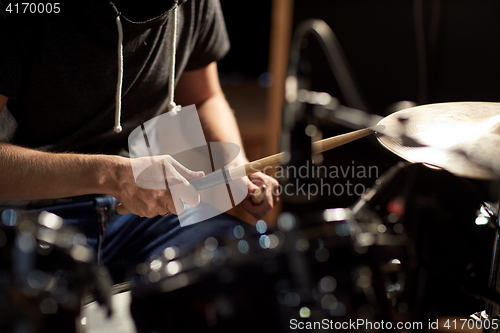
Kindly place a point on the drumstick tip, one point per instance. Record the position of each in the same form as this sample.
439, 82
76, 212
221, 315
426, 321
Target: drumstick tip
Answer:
378, 128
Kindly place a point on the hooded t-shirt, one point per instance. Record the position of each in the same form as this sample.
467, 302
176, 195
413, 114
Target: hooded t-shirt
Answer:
60, 70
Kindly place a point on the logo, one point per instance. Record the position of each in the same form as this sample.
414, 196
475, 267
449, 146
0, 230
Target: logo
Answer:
170, 151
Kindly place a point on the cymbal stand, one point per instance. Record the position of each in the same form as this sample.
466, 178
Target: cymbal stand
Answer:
490, 317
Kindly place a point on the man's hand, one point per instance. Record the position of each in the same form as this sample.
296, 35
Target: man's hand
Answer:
255, 182
201, 87
150, 189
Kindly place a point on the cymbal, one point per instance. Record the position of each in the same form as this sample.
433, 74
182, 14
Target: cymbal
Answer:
460, 137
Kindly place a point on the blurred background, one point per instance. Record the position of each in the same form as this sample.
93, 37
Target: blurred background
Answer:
421, 52
425, 51
244, 73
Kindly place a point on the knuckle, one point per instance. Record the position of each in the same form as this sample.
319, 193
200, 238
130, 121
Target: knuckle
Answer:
150, 207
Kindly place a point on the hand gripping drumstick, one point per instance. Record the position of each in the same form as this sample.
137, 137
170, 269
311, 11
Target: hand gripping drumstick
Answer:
218, 177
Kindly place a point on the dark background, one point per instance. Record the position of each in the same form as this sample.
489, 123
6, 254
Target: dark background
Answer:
248, 26
421, 51
461, 42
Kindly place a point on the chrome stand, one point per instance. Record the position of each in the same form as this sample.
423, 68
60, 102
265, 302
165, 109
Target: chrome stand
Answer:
492, 311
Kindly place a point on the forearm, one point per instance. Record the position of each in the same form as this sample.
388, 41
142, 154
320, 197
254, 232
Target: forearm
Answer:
27, 174
219, 123
201, 87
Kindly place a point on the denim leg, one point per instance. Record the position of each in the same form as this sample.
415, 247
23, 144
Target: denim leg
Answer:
105, 207
122, 241
80, 215
131, 239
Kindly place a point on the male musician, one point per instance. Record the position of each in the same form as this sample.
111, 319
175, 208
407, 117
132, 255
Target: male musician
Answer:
63, 137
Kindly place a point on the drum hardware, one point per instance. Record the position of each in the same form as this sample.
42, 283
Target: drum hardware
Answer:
386, 211
459, 137
492, 309
373, 271
329, 270
480, 316
456, 136
378, 198
96, 319
337, 263
487, 214
485, 320
202, 287
469, 286
113, 290
46, 271
303, 107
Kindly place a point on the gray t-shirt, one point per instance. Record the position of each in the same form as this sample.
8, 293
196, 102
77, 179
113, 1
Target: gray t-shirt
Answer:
60, 71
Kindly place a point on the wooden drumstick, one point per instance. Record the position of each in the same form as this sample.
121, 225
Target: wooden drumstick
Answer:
277, 159
120, 209
216, 178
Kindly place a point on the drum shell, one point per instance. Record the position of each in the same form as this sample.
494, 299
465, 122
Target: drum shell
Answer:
269, 289
45, 275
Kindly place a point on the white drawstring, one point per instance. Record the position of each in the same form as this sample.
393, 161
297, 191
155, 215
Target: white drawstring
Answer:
118, 97
171, 84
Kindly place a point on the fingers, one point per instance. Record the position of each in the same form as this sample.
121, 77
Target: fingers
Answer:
259, 195
181, 190
275, 191
182, 170
272, 185
157, 186
187, 193
156, 205
268, 184
257, 179
259, 210
163, 211
120, 209
254, 185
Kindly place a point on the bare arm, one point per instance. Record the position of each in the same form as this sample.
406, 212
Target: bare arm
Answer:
27, 174
201, 87
30, 174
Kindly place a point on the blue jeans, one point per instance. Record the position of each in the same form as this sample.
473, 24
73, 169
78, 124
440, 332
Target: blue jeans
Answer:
122, 241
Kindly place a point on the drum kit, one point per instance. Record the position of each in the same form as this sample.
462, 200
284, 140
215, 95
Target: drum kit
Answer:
341, 268
329, 267
47, 271
355, 269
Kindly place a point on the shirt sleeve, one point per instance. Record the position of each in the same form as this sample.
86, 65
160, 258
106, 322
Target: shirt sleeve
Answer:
212, 41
